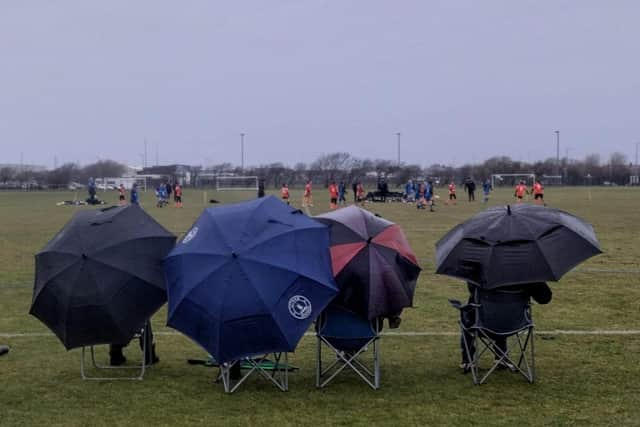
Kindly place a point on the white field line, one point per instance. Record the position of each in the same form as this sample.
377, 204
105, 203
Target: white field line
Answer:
422, 262
390, 333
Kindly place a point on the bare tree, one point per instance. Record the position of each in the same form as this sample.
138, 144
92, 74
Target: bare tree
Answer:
6, 174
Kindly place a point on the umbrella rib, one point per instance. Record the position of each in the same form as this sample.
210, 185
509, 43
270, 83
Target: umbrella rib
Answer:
204, 279
118, 269
248, 221
223, 238
395, 273
265, 305
390, 269
49, 279
113, 245
553, 273
280, 234
250, 259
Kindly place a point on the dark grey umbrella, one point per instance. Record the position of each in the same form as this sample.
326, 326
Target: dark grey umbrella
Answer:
508, 245
100, 278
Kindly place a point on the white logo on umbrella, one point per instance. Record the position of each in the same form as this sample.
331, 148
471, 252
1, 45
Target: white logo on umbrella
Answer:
299, 307
190, 235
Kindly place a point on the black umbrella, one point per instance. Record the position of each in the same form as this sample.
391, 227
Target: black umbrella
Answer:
508, 245
100, 278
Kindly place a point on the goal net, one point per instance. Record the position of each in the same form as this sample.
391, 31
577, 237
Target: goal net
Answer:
227, 183
512, 179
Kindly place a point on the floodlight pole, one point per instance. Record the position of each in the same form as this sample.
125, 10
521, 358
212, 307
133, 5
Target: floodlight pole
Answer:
637, 144
557, 152
242, 151
398, 134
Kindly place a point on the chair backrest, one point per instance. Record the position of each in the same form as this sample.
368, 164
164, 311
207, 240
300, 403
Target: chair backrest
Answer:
503, 312
346, 330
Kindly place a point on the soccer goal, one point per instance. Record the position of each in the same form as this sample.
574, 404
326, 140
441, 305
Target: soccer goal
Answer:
512, 179
230, 183
141, 181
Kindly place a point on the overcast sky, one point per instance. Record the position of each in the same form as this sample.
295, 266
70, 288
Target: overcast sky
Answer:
461, 80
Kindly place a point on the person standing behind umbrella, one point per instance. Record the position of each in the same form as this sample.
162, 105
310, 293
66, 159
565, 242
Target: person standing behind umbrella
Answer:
521, 190
421, 194
284, 193
354, 187
178, 195
333, 195
486, 189
409, 193
134, 194
91, 187
428, 195
452, 193
470, 186
538, 193
307, 198
342, 190
169, 188
539, 292
360, 193
121, 197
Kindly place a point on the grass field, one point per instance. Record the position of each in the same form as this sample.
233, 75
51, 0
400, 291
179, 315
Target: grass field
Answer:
581, 378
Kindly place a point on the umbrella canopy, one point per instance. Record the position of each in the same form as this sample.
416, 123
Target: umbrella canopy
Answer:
375, 269
100, 278
249, 278
508, 245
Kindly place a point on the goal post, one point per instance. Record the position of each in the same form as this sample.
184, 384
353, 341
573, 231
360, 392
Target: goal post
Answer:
237, 183
512, 179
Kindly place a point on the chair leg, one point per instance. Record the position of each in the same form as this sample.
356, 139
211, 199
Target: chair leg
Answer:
376, 364
277, 377
472, 361
318, 360
533, 355
368, 375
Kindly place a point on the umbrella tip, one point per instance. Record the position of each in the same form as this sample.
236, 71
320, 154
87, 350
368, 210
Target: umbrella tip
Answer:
508, 210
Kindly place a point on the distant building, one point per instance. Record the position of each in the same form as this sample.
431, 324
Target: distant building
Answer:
17, 167
181, 174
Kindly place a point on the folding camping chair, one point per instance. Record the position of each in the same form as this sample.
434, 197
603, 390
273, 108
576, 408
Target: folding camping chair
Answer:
276, 371
145, 339
348, 336
495, 314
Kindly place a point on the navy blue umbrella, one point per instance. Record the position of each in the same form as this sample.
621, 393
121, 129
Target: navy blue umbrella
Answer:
249, 278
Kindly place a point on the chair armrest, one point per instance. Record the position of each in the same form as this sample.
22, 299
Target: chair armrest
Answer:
456, 304
462, 307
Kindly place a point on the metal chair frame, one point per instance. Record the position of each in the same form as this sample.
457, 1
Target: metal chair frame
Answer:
279, 376
523, 336
97, 366
369, 374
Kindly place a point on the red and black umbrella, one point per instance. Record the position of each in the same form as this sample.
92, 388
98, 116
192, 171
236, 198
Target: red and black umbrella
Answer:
374, 267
